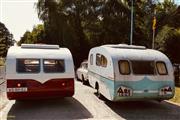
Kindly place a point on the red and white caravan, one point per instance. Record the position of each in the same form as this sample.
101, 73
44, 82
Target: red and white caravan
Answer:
35, 71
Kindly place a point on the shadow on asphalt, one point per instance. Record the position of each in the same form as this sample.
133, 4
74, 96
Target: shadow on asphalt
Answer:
87, 84
56, 109
145, 110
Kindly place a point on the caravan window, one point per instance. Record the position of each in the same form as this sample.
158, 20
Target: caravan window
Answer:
53, 66
91, 59
28, 65
143, 67
161, 67
103, 61
124, 67
98, 59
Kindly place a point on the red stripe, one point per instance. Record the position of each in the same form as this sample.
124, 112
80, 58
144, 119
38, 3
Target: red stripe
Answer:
51, 88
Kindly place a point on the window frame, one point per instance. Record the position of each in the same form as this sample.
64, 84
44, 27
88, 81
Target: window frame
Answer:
39, 65
164, 66
57, 72
120, 67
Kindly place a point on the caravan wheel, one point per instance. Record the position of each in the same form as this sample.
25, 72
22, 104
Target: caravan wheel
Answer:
98, 93
83, 81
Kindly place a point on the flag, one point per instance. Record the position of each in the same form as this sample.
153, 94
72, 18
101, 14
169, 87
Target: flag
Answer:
154, 23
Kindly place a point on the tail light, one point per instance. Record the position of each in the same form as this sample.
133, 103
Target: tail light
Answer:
124, 91
67, 83
16, 83
165, 91
63, 84
16, 86
19, 85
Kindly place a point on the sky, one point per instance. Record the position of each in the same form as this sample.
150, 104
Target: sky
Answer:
21, 15
18, 16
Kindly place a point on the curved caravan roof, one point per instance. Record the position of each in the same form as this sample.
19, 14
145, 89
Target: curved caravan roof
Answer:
38, 51
131, 52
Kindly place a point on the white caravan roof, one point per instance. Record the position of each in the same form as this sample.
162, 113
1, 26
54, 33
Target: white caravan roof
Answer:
132, 52
38, 51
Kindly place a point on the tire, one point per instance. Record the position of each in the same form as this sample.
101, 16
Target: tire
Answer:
97, 92
159, 100
87, 82
77, 78
83, 81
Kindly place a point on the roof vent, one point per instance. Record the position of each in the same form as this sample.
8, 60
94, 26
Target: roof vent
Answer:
39, 46
125, 46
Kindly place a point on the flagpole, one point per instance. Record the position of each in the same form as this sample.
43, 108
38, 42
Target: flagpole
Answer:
154, 28
153, 39
132, 15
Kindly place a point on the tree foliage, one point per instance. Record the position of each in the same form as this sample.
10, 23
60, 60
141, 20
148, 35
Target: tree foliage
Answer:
172, 45
82, 24
35, 36
6, 40
167, 38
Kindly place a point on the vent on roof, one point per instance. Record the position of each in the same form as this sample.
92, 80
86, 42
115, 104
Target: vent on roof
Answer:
39, 46
125, 46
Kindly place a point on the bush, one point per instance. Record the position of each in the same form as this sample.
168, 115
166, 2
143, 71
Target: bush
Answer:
168, 41
2, 62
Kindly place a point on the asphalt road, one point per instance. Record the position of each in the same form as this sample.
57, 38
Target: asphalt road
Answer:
85, 105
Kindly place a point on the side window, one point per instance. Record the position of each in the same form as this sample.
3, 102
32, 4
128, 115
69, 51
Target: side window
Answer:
161, 68
124, 67
103, 61
28, 65
91, 59
98, 59
53, 66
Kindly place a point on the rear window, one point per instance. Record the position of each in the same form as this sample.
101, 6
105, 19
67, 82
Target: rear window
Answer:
161, 67
124, 67
53, 66
143, 67
28, 65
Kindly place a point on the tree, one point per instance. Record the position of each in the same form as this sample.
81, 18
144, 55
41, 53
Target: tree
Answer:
35, 36
171, 45
81, 24
168, 36
6, 40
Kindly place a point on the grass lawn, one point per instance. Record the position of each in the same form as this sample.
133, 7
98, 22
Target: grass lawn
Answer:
176, 97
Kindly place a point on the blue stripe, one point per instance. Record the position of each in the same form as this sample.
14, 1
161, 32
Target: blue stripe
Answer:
141, 85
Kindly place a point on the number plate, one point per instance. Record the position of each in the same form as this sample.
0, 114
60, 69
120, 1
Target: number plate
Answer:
22, 89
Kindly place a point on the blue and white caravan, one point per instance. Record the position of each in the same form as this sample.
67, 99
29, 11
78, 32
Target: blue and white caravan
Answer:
127, 72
